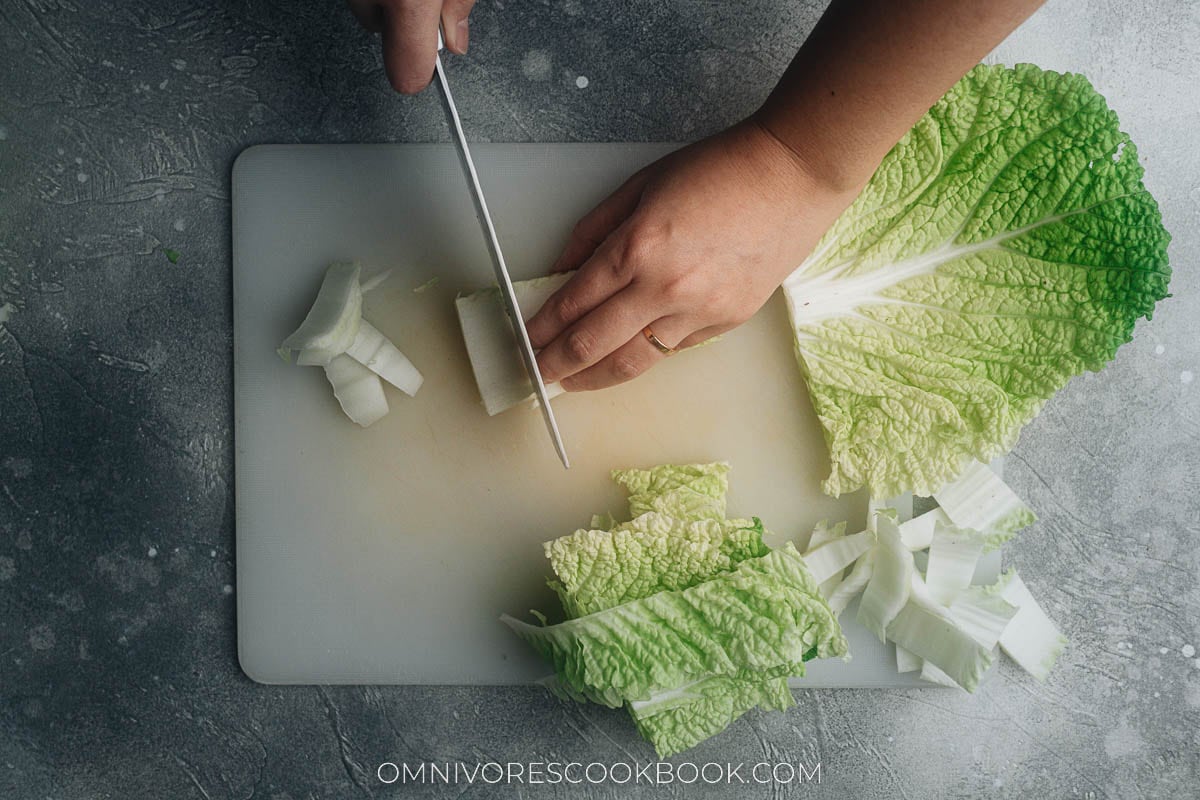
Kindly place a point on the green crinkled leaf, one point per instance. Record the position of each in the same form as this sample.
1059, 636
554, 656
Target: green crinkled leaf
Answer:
1004, 245
683, 542
763, 615
688, 491
654, 552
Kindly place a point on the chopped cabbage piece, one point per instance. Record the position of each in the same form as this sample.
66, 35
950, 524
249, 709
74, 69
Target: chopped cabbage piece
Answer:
928, 631
1031, 639
830, 559
371, 349
982, 614
822, 534
853, 583
334, 334
491, 342
952, 559
357, 389
978, 499
888, 588
332, 322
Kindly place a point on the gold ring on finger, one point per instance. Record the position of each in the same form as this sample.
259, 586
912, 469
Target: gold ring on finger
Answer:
658, 343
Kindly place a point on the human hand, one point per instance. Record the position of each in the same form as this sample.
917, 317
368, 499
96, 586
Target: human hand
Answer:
409, 29
691, 246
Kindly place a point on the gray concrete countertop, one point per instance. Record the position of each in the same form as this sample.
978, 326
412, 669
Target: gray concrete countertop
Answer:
118, 670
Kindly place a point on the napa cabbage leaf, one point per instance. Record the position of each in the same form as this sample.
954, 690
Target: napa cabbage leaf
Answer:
1004, 245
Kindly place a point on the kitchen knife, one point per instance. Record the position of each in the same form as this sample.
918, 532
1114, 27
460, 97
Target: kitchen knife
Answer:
493, 244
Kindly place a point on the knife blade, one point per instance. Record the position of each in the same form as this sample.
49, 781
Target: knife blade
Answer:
497, 255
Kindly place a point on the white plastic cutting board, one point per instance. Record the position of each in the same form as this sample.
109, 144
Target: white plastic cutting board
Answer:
386, 555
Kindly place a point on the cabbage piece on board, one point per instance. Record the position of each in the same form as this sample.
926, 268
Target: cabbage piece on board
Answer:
332, 322
678, 539
488, 334
1004, 245
358, 390
766, 614
652, 553
927, 631
887, 589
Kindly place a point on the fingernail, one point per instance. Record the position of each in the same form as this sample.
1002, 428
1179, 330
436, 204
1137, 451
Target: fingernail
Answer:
462, 35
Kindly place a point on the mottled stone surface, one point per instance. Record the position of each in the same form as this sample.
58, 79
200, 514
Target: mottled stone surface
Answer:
118, 670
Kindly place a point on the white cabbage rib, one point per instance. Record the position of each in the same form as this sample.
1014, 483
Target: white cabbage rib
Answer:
352, 351
979, 500
1031, 640
942, 625
887, 590
357, 389
953, 554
